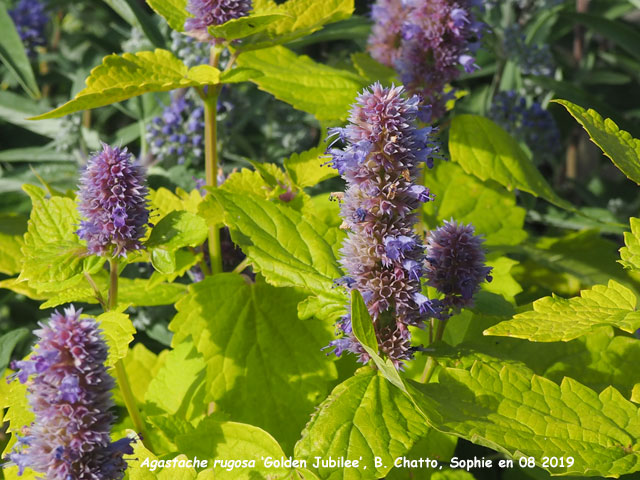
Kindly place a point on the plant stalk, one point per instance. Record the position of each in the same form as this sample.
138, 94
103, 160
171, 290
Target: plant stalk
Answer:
121, 373
430, 366
211, 171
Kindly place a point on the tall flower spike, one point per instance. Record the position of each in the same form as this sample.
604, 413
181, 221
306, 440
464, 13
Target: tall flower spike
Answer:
69, 394
113, 203
207, 13
456, 263
30, 20
429, 43
382, 255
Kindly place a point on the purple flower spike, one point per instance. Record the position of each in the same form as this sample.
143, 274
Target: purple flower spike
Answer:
456, 263
213, 12
429, 43
69, 393
113, 202
382, 255
30, 19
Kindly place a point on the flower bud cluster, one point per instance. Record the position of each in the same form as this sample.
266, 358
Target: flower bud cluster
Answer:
69, 391
532, 124
113, 203
382, 255
456, 264
177, 136
207, 13
428, 43
30, 19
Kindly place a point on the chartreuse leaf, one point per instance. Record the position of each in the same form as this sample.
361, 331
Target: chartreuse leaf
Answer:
363, 330
308, 169
124, 76
54, 257
618, 145
175, 386
12, 229
245, 332
297, 19
13, 397
594, 359
321, 90
244, 26
118, 332
477, 206
485, 150
164, 201
281, 244
176, 230
364, 417
144, 465
173, 11
557, 319
143, 365
228, 441
14, 56
509, 409
630, 254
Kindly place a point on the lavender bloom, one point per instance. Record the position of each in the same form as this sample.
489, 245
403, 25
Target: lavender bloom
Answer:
532, 125
532, 59
382, 255
428, 43
113, 202
213, 12
456, 263
30, 20
69, 393
177, 136
189, 50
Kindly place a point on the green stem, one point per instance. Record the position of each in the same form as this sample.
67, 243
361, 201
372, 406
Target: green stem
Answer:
121, 373
96, 290
211, 171
430, 366
242, 265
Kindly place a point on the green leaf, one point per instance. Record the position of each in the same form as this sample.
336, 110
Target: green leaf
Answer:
54, 256
233, 441
597, 359
14, 56
618, 145
365, 333
16, 108
485, 150
362, 323
8, 342
12, 229
557, 319
173, 388
281, 244
124, 76
630, 254
509, 409
245, 332
364, 417
372, 70
244, 26
143, 365
620, 33
173, 11
477, 206
323, 91
176, 230
134, 15
320, 308
308, 169
118, 332
298, 19
239, 74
